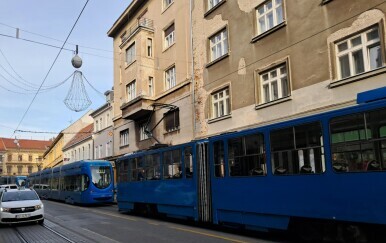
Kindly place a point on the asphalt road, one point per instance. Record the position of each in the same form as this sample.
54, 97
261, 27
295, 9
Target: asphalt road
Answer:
69, 223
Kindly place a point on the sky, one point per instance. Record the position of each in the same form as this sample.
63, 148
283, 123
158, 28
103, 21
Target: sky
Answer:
24, 64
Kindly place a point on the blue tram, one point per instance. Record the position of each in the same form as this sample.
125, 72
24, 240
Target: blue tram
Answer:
18, 180
316, 171
82, 182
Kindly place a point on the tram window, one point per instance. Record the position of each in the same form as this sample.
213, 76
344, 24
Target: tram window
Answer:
247, 156
218, 156
188, 161
357, 142
136, 169
123, 170
298, 149
152, 167
172, 164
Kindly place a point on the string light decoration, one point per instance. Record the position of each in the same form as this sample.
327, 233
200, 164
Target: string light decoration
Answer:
77, 98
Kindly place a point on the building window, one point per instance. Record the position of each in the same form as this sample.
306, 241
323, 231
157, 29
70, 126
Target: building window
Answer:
89, 151
30, 169
19, 169
220, 103
9, 157
170, 78
151, 86
142, 134
130, 54
9, 169
96, 152
172, 120
274, 84
107, 119
1, 158
101, 123
96, 126
169, 36
213, 3
149, 47
29, 157
20, 157
358, 54
124, 137
130, 89
107, 148
100, 151
218, 45
269, 15
83, 153
167, 3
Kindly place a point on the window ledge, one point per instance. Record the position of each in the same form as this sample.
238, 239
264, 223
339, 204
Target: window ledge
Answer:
219, 118
217, 60
261, 106
171, 132
268, 32
214, 8
358, 77
129, 64
124, 146
167, 48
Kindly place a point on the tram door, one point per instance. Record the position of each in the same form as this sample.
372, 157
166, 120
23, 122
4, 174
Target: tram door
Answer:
204, 188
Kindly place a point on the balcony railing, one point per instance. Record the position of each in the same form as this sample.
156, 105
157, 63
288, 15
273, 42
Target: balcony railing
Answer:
142, 22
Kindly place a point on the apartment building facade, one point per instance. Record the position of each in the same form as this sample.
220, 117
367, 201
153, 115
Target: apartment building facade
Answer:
22, 156
152, 75
102, 137
80, 147
259, 62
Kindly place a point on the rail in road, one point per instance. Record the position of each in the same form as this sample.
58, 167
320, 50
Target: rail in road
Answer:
48, 232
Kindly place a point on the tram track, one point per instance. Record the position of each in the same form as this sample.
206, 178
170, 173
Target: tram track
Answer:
44, 233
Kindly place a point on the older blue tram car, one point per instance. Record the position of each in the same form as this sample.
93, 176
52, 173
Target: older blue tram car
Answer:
328, 168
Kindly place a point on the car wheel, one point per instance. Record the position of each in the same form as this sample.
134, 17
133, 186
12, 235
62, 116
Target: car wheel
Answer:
41, 221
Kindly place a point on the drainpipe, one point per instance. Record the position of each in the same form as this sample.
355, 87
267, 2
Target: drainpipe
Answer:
193, 81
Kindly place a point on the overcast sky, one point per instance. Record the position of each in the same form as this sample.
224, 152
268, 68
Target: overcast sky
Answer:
23, 61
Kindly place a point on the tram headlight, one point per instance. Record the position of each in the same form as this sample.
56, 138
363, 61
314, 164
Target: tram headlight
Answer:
40, 206
5, 209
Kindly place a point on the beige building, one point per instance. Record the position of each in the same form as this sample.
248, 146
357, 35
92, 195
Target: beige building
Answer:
21, 156
259, 62
152, 72
53, 156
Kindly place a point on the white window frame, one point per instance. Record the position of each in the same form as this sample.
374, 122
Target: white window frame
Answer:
221, 103
142, 134
364, 46
130, 54
274, 8
170, 78
213, 3
151, 86
218, 45
170, 38
124, 137
96, 152
167, 3
131, 91
149, 50
274, 84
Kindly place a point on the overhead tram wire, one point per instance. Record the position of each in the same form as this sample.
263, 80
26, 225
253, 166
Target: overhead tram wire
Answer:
49, 71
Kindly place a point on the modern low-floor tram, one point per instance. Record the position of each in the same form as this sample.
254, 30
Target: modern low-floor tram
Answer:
82, 182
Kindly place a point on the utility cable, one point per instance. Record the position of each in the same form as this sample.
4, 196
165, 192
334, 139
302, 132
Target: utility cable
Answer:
49, 71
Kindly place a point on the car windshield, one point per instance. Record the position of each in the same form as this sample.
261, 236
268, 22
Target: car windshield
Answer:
101, 176
19, 196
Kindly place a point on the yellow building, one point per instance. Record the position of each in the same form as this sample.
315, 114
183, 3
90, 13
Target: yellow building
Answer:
21, 156
54, 155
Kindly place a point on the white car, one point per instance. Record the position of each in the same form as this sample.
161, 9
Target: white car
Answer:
20, 206
9, 186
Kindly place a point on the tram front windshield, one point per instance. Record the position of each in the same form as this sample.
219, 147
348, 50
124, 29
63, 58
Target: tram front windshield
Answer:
101, 176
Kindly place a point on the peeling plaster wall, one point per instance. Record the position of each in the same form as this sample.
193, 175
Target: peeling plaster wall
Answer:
304, 41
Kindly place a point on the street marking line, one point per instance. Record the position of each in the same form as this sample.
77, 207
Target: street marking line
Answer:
206, 234
99, 235
113, 215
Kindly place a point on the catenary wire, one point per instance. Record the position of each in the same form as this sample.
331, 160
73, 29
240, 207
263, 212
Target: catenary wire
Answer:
49, 71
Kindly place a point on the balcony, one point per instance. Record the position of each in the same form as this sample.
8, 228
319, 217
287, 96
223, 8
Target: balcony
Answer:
141, 23
137, 109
